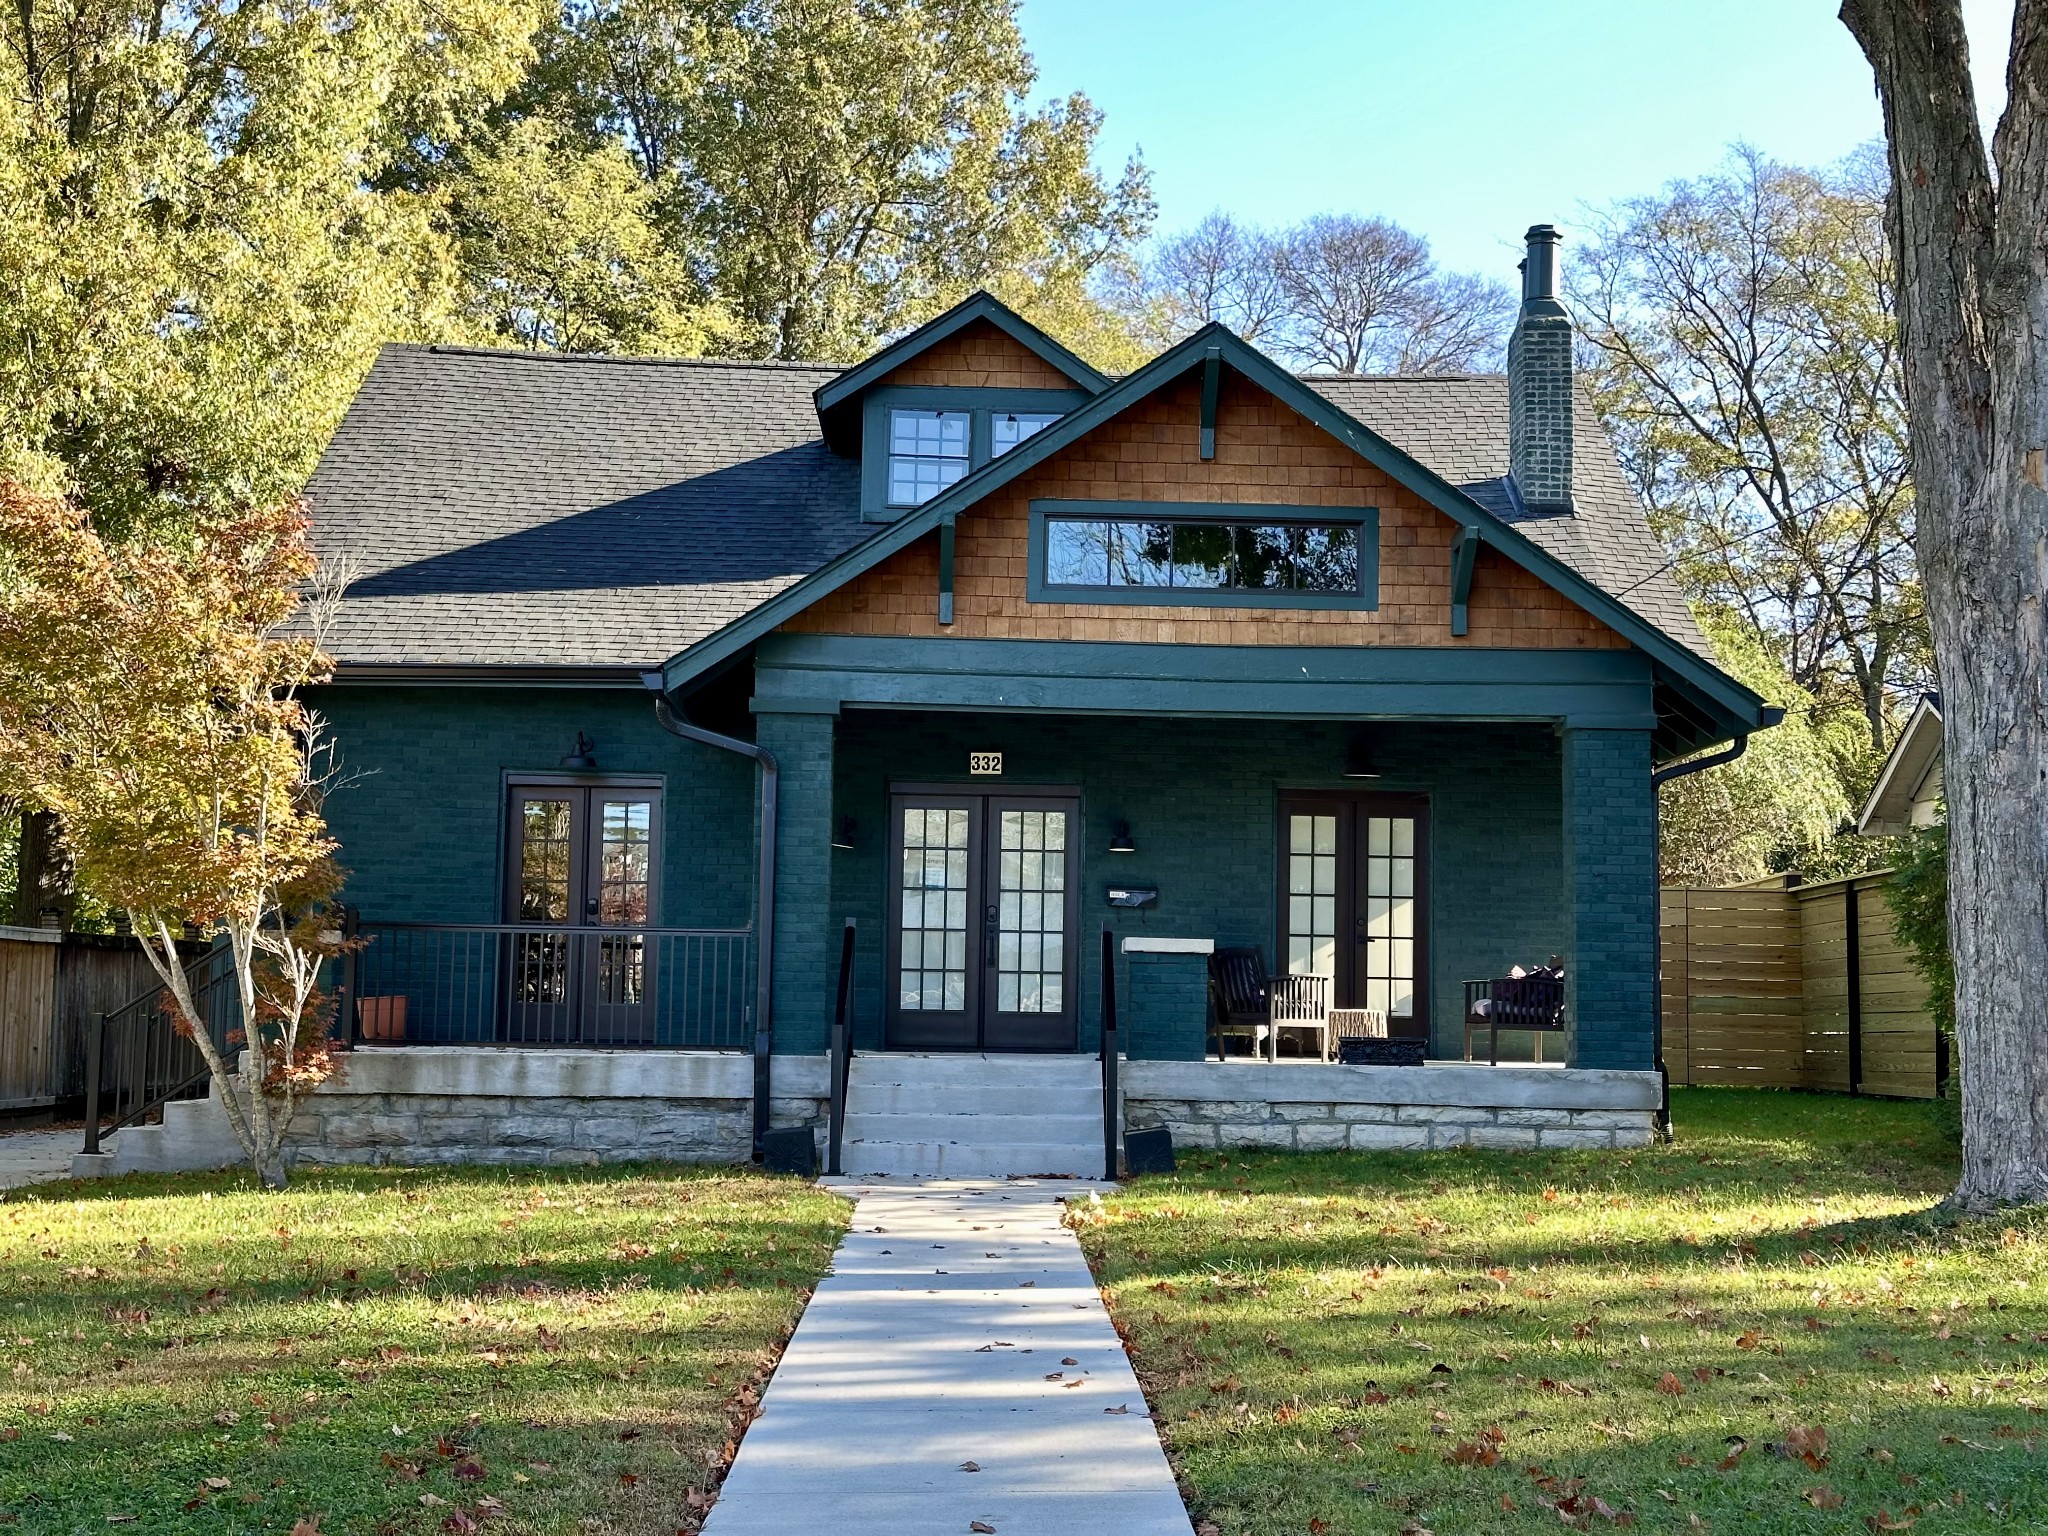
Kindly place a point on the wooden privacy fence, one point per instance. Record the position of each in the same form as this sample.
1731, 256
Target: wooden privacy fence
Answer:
1782, 986
28, 1013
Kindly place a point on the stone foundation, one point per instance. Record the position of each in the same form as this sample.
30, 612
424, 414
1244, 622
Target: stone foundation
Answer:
427, 1104
1311, 1108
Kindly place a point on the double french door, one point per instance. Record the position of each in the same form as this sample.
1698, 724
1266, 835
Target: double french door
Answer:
581, 876
1354, 875
982, 913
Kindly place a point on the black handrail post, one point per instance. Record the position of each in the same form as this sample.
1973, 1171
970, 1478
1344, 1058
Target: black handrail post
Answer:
1110, 1117
841, 1062
351, 924
95, 1053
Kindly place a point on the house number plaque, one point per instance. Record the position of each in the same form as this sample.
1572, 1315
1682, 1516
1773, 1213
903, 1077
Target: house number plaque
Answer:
985, 764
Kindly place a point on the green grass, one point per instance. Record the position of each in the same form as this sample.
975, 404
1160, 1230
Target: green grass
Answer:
1490, 1342
391, 1351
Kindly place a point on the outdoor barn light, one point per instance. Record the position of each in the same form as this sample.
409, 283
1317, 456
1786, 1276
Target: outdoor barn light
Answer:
844, 837
581, 759
1120, 839
1358, 763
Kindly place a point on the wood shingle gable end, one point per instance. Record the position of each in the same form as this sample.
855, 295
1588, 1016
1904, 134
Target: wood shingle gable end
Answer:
1265, 454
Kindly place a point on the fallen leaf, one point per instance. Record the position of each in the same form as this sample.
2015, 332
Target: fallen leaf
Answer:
1884, 1520
981, 1526
1822, 1497
1670, 1385
1736, 1446
467, 1470
218, 1484
970, 1466
1119, 1408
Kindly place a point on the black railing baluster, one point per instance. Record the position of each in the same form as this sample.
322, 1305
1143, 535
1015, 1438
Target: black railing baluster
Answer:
1111, 1120
840, 1061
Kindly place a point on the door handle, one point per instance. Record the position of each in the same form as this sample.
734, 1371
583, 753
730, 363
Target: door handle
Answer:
590, 910
988, 940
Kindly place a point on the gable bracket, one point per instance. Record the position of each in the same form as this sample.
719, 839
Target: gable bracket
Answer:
1212, 386
946, 570
1464, 555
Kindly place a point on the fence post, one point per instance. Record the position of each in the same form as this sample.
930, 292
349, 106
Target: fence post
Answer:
95, 1051
1853, 945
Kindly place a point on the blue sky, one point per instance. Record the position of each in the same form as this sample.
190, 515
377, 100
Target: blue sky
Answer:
1464, 120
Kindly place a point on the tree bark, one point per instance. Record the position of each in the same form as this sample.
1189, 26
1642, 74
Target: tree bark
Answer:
1973, 310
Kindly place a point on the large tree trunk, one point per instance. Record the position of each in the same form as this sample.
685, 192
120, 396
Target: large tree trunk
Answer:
1973, 307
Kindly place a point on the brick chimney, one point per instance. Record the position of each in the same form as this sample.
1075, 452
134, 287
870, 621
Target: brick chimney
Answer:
1540, 383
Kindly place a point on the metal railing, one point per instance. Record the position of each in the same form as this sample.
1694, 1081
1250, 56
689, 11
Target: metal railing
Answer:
137, 1059
842, 1051
538, 984
1112, 1121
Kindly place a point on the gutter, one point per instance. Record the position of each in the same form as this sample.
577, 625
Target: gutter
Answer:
674, 721
1767, 717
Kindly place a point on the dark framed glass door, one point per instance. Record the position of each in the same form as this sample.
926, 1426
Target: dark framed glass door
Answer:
1354, 900
983, 906
582, 867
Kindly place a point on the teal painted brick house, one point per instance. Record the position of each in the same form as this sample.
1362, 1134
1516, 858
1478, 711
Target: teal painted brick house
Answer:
654, 675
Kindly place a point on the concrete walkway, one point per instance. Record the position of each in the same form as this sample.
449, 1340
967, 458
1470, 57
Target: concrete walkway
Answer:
959, 1325
36, 1157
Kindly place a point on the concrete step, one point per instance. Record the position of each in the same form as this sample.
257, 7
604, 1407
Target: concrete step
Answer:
1016, 1070
975, 1129
195, 1134
972, 1098
945, 1160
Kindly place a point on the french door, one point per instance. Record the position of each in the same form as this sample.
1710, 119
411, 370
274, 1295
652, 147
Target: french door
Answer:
581, 873
983, 907
1354, 901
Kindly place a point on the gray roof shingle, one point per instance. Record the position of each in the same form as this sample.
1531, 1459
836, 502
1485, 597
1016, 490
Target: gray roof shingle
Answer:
533, 510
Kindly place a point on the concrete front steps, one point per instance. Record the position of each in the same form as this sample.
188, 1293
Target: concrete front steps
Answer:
194, 1134
972, 1116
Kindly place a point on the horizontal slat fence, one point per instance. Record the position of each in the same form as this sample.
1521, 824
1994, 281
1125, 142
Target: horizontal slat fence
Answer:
1782, 986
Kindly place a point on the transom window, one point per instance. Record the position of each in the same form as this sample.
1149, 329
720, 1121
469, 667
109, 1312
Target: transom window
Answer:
928, 451
1209, 555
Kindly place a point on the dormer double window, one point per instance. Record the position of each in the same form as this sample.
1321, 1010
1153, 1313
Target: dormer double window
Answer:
929, 450
920, 441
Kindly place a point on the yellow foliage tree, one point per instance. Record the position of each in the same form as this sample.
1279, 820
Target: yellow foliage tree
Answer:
151, 695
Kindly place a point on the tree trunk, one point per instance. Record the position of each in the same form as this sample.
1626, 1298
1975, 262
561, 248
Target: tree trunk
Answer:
1973, 309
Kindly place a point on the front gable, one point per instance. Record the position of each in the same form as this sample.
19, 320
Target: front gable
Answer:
1265, 456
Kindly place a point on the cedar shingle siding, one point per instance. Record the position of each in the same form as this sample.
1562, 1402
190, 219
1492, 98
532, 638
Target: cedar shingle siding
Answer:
978, 357
1265, 454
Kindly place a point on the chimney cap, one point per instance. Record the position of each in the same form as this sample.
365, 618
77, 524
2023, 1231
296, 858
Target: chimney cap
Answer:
1539, 271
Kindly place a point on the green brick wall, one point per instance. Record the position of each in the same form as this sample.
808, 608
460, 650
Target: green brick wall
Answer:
420, 817
1202, 801
1610, 860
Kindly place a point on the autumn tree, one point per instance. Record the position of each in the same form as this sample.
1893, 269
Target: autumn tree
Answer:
1336, 293
1745, 354
197, 266
1969, 227
150, 696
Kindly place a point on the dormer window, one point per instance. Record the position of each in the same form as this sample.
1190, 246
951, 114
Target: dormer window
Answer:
1009, 428
928, 451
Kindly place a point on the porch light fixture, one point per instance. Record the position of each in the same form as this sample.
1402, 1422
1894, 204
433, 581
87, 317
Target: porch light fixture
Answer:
582, 758
843, 838
1120, 839
1358, 763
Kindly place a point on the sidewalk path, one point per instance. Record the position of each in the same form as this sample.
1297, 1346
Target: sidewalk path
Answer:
36, 1157
958, 1324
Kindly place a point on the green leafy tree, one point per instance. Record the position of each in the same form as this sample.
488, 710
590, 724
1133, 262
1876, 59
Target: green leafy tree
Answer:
842, 169
1775, 807
560, 249
198, 260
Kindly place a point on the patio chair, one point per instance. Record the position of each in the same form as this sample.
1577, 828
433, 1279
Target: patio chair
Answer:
1533, 1002
1244, 1002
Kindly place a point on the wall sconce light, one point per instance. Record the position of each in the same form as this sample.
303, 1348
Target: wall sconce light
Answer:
1358, 763
843, 838
1120, 839
582, 758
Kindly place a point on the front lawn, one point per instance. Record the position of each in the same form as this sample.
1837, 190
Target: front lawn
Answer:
1755, 1329
392, 1351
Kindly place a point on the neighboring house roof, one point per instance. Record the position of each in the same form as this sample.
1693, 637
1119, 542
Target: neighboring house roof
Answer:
519, 509
1908, 787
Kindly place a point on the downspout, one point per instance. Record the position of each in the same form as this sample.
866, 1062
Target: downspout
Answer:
673, 722
1767, 717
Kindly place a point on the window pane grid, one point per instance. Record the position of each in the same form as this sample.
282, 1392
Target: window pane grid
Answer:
1390, 914
1311, 895
932, 966
1202, 556
928, 451
1006, 429
1031, 908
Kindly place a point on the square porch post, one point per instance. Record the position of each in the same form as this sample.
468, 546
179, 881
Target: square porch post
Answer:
1610, 858
803, 960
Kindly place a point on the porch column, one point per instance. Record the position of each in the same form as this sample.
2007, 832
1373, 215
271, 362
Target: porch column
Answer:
1609, 874
803, 959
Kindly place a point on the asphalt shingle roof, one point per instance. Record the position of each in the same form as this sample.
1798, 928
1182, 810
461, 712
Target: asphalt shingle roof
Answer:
531, 510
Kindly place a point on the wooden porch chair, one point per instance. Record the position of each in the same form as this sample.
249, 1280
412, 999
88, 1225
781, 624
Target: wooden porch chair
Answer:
1534, 1003
1246, 1003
